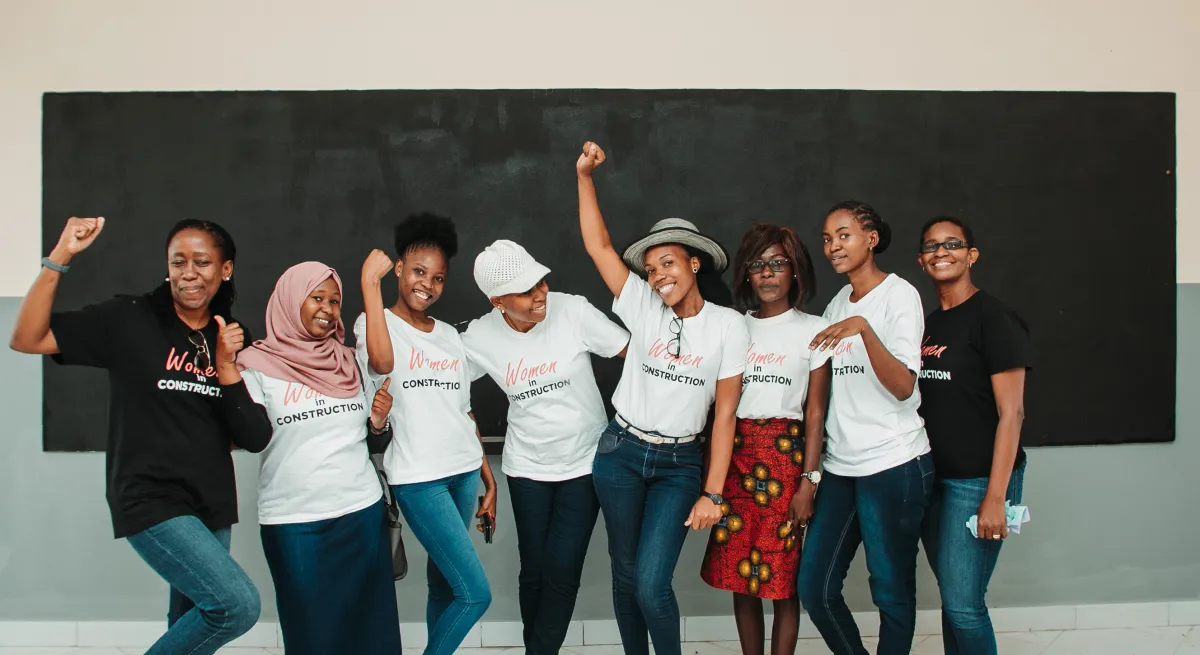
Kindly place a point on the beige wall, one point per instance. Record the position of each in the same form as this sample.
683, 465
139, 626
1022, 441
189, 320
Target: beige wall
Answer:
122, 45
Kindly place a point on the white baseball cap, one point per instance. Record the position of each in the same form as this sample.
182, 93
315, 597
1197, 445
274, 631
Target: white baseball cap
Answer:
505, 267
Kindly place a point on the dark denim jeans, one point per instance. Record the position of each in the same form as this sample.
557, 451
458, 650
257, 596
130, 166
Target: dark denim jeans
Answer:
646, 492
883, 512
964, 563
438, 513
212, 600
554, 526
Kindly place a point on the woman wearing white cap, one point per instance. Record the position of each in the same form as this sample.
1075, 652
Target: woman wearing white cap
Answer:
686, 355
537, 346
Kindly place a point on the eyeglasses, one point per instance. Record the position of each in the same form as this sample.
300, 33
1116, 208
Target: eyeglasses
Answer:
202, 360
777, 265
676, 341
948, 244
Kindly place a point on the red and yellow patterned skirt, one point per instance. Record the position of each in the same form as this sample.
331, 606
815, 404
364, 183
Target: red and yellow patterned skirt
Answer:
753, 550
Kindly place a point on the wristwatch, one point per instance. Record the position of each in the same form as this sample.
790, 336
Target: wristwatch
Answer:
387, 425
716, 498
813, 476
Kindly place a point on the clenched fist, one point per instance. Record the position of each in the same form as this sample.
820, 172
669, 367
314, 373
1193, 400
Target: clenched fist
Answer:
592, 157
76, 237
377, 265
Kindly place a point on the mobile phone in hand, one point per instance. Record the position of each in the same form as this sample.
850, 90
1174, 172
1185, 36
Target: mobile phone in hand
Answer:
486, 522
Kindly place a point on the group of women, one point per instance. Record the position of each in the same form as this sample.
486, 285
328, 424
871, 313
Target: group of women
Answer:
791, 438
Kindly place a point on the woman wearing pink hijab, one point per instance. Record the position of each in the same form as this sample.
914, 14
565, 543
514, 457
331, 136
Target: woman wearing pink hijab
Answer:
320, 502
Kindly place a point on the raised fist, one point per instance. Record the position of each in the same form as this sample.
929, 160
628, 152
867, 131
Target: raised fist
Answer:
377, 265
78, 235
592, 157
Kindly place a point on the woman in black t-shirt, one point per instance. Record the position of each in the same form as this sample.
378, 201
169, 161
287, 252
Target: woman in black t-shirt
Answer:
176, 407
973, 361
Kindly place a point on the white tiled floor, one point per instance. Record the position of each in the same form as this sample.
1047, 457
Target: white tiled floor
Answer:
1130, 641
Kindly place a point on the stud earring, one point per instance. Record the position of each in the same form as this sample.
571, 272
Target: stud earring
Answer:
695, 270
501, 310
167, 279
226, 279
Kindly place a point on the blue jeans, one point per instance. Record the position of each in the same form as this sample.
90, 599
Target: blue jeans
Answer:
554, 526
883, 512
964, 563
333, 584
438, 513
646, 492
212, 600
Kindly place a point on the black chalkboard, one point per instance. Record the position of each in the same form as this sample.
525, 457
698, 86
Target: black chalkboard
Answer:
1059, 186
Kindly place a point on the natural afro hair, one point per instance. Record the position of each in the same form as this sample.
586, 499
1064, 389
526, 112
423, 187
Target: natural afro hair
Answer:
426, 231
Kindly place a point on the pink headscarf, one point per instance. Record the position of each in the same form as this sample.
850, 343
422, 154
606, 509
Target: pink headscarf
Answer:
290, 353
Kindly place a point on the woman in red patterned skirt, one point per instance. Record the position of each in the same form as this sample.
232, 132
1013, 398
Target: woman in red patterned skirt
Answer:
754, 550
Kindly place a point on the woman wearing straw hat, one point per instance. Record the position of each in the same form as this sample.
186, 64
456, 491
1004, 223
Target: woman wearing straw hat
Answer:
685, 356
537, 346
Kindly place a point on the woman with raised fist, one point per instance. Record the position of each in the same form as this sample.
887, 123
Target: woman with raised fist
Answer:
686, 356
320, 501
177, 406
435, 459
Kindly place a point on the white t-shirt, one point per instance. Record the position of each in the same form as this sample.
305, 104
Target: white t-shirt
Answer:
775, 383
316, 465
869, 430
671, 395
432, 435
555, 412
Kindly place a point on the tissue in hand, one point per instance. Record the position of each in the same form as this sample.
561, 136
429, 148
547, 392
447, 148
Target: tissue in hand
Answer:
1016, 515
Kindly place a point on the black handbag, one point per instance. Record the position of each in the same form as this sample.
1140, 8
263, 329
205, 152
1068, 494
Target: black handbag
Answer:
394, 527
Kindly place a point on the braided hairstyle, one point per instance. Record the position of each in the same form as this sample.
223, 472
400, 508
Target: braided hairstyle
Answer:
869, 219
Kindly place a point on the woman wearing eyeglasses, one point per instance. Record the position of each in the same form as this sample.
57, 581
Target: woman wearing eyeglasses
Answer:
685, 355
878, 472
974, 357
320, 502
755, 548
176, 406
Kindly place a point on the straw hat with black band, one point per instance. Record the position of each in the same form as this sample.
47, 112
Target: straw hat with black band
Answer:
675, 230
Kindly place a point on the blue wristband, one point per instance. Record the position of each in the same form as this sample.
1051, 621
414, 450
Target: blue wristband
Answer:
54, 267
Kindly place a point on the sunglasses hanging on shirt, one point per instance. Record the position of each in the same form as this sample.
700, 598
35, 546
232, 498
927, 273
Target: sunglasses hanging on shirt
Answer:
676, 342
202, 360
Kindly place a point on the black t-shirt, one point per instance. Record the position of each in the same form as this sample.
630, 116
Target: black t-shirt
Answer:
963, 347
170, 425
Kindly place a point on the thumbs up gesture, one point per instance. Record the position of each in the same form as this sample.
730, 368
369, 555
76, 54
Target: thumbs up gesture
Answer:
230, 339
382, 405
